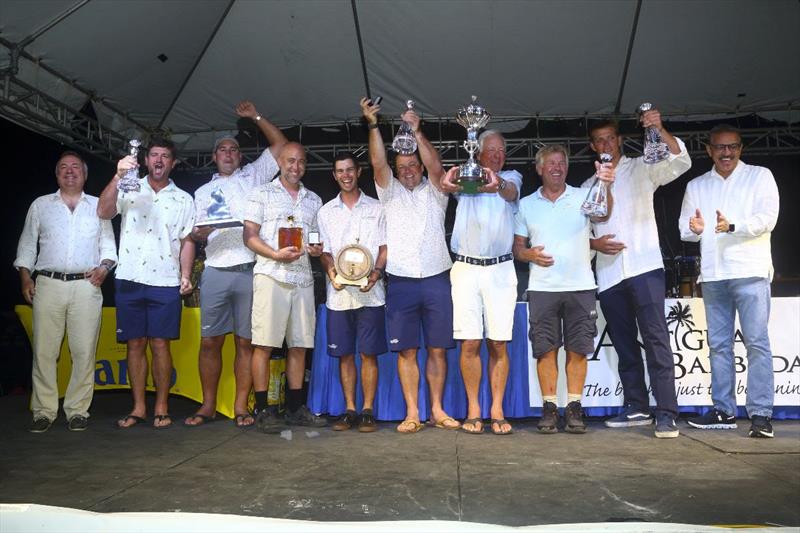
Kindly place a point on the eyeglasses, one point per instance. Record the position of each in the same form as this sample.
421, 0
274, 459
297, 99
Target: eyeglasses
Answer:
733, 147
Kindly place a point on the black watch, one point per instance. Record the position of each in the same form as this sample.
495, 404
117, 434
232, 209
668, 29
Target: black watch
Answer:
731, 228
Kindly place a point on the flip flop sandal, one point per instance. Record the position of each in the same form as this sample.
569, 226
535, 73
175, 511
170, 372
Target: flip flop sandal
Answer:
162, 418
238, 421
204, 419
473, 422
500, 422
136, 421
441, 423
413, 425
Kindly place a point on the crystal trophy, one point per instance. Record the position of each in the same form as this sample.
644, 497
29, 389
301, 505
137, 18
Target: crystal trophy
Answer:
655, 149
470, 174
404, 142
218, 214
130, 181
291, 235
596, 203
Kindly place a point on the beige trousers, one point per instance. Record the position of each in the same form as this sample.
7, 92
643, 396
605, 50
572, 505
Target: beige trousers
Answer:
78, 306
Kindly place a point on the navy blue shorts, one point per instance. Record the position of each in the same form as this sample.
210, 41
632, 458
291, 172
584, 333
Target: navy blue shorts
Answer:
414, 303
147, 311
365, 326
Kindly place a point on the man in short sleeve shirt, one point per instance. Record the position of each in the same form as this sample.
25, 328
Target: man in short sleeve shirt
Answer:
155, 265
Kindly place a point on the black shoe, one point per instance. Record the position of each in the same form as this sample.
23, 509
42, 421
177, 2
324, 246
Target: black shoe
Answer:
549, 421
573, 418
630, 417
714, 419
666, 428
268, 421
366, 422
304, 417
345, 422
40, 425
78, 423
760, 427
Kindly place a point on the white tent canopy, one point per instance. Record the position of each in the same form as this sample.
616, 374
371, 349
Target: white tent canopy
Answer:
182, 65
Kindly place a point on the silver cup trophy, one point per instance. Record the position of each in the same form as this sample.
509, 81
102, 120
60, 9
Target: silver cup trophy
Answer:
130, 181
596, 203
655, 149
404, 142
470, 174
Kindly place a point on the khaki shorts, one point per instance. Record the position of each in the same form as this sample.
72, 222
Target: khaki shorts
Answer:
282, 311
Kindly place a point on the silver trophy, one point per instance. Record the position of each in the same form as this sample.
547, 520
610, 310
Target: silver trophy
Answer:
404, 142
470, 174
655, 149
218, 214
130, 181
596, 203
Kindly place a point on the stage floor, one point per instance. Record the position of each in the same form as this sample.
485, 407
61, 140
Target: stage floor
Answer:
703, 477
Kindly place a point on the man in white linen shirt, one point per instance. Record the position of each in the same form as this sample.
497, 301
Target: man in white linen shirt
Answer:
156, 253
226, 286
283, 286
552, 235
418, 299
630, 276
64, 254
355, 315
483, 278
735, 273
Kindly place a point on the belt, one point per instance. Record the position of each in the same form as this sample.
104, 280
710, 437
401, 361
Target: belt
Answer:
484, 262
60, 275
244, 267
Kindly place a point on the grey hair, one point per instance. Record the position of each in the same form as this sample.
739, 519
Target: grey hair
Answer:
489, 133
550, 149
78, 157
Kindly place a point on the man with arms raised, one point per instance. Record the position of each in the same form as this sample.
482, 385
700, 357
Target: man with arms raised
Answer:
155, 264
736, 271
630, 276
355, 315
283, 286
417, 263
65, 253
226, 287
484, 280
561, 289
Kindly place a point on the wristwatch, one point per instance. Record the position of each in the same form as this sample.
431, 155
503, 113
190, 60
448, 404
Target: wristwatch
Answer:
372, 126
257, 118
731, 227
503, 184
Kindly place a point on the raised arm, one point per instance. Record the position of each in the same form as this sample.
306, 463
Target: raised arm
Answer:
274, 135
381, 170
107, 204
429, 155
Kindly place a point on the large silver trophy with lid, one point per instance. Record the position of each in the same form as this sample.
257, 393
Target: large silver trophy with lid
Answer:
655, 149
218, 214
404, 142
470, 174
130, 181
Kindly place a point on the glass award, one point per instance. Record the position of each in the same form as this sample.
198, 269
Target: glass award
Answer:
655, 149
404, 142
218, 214
596, 203
130, 181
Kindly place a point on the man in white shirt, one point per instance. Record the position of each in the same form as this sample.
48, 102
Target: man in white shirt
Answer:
283, 285
735, 273
483, 278
355, 315
630, 276
155, 265
226, 286
64, 254
418, 300
552, 234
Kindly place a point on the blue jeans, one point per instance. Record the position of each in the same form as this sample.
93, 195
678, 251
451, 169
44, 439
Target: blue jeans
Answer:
751, 298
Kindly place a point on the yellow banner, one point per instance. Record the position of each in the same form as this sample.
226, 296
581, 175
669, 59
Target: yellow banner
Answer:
111, 368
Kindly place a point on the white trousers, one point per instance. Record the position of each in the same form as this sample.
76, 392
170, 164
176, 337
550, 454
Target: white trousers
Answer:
77, 306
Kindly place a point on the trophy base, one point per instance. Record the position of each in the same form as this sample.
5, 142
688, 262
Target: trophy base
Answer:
469, 186
222, 223
655, 153
363, 282
470, 177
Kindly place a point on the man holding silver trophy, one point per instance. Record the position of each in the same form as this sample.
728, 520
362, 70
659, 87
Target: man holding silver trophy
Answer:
226, 286
483, 278
353, 231
418, 299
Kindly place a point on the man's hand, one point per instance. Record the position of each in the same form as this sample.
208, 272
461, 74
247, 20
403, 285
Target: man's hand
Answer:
287, 254
722, 223
652, 118
373, 278
29, 290
201, 233
314, 250
97, 275
605, 172
607, 245
370, 110
125, 164
246, 109
412, 118
696, 223
448, 183
186, 286
332, 278
540, 258
493, 185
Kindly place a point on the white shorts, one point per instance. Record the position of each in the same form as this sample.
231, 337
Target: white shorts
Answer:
282, 311
484, 298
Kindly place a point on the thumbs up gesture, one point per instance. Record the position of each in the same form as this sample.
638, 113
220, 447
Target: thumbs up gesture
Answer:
696, 223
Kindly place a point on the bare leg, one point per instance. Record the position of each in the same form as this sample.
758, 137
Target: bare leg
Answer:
547, 370
243, 374
408, 371
295, 368
471, 372
436, 374
347, 375
576, 372
137, 376
369, 379
162, 372
210, 365
498, 376
259, 366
